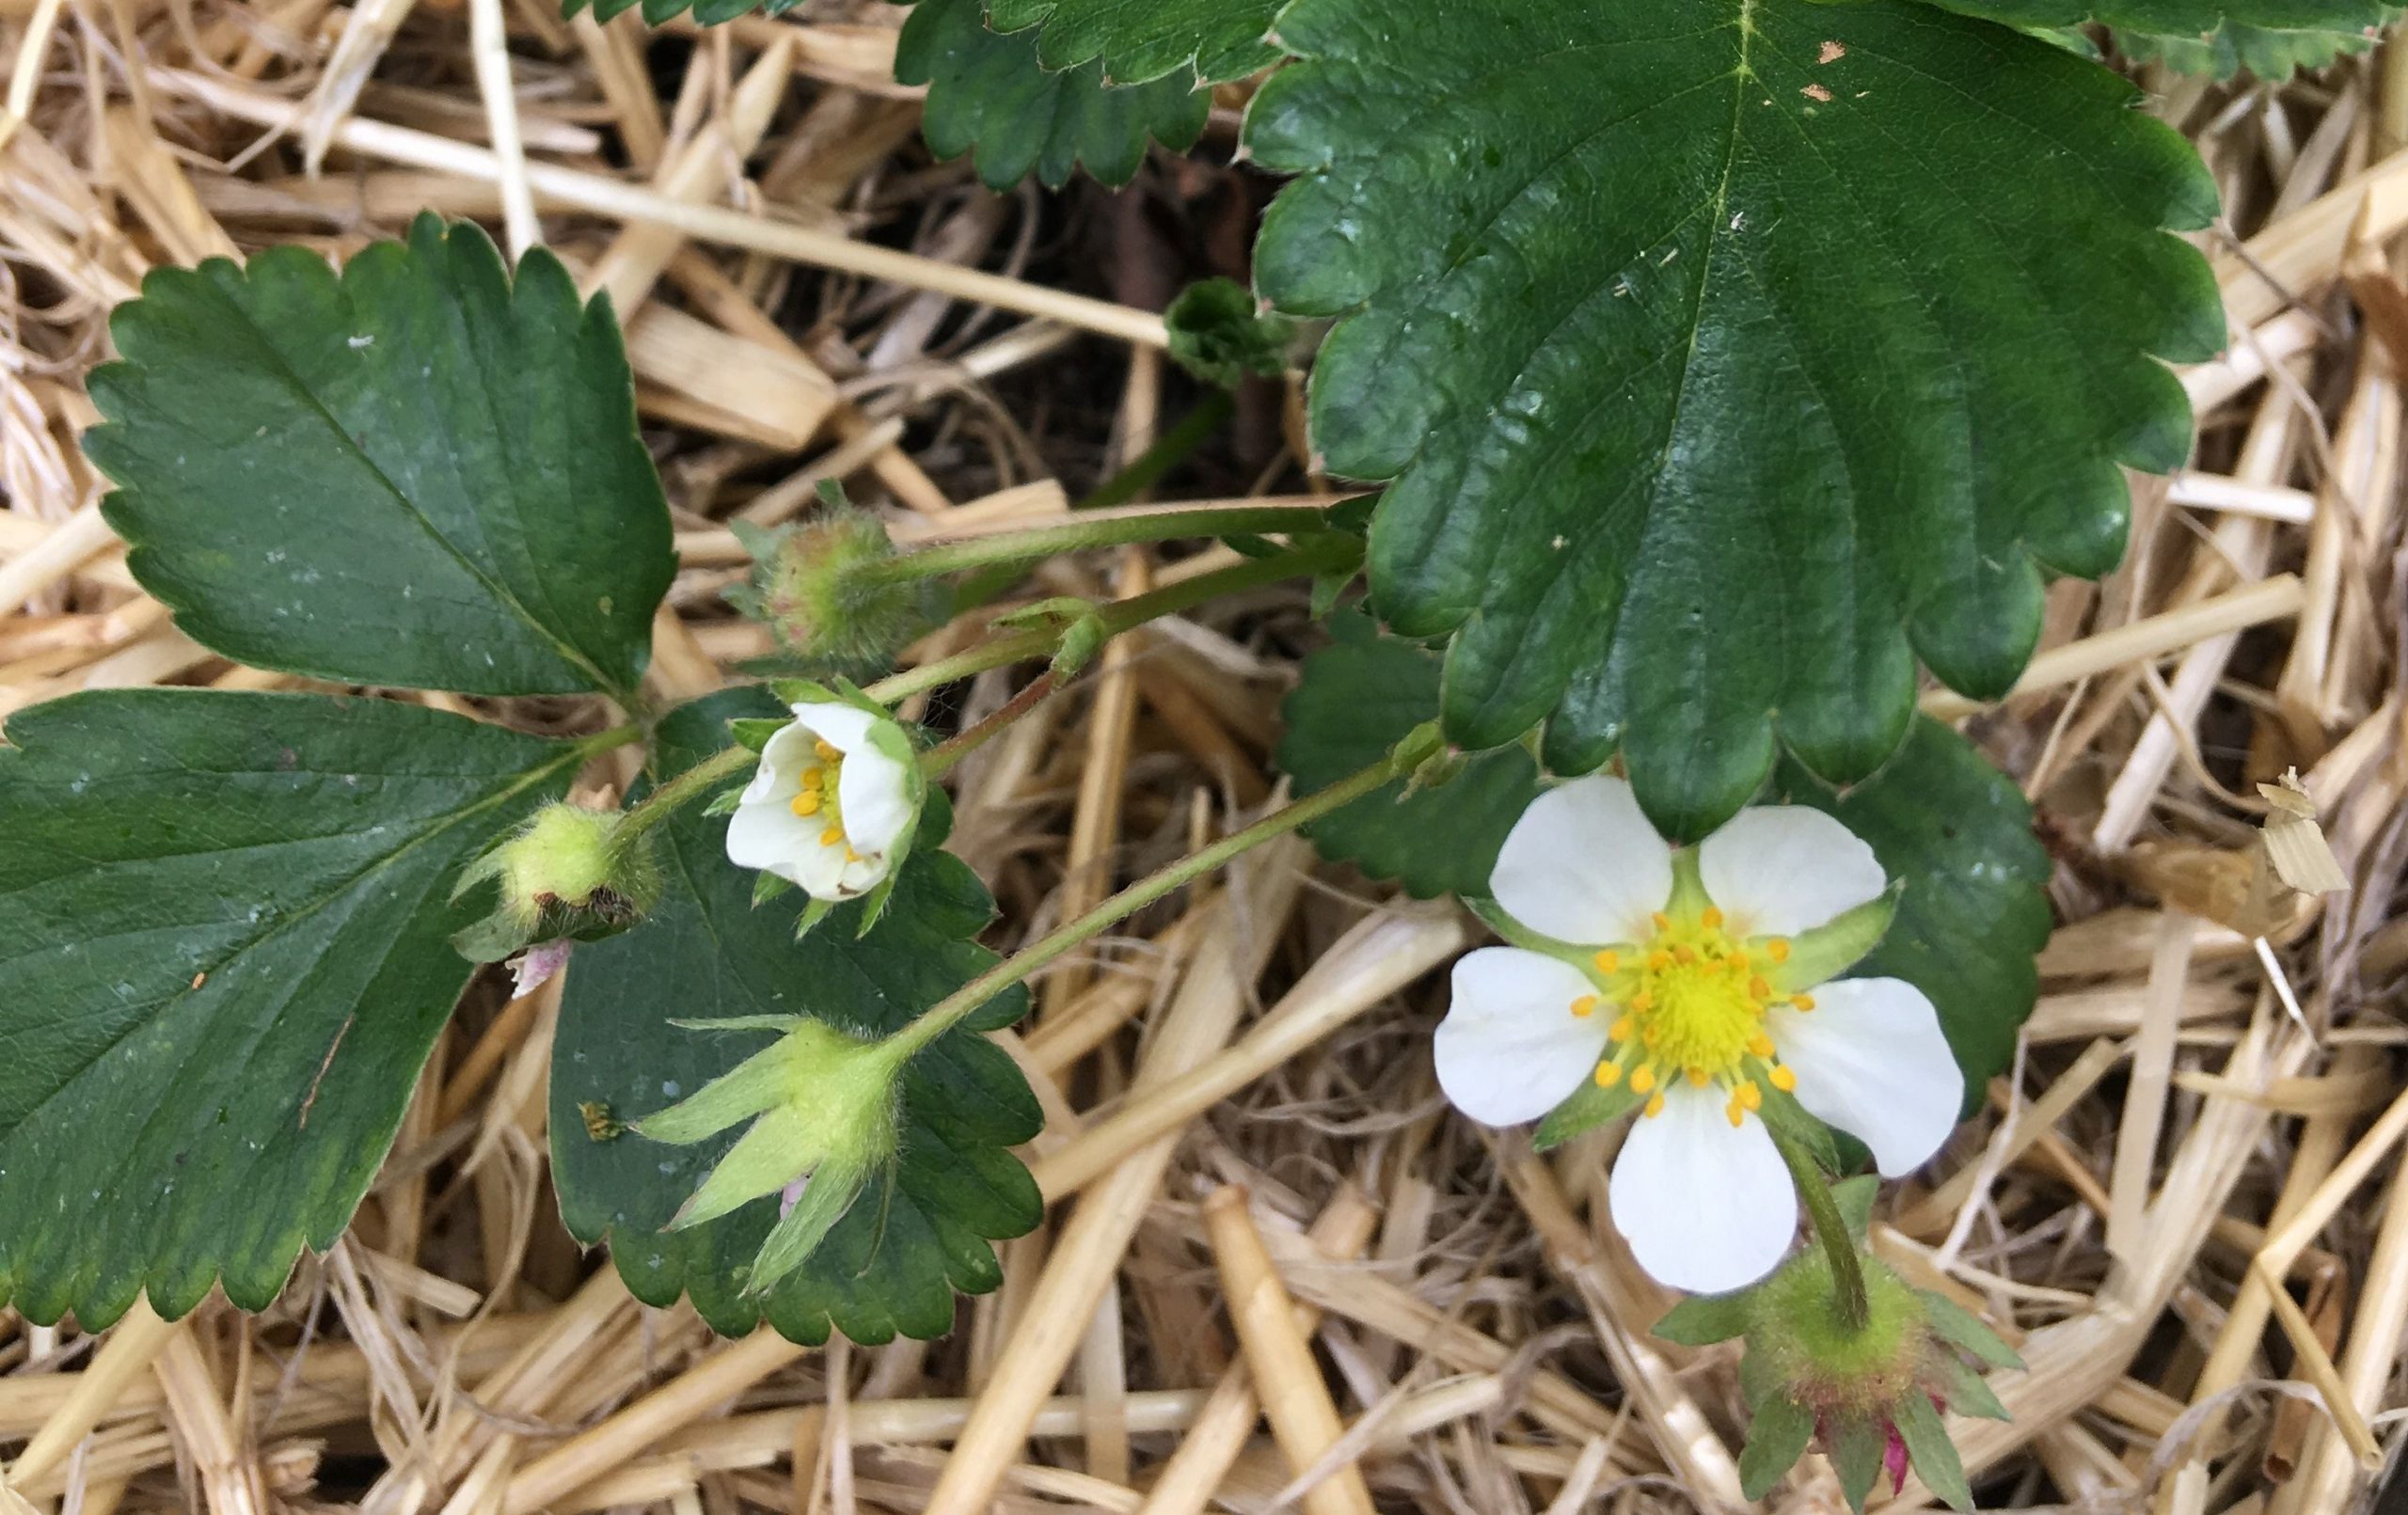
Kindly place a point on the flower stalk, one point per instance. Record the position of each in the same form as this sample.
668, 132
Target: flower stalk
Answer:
1830, 1232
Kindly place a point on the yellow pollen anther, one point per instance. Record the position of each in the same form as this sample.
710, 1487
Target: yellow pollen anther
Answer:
1655, 1104
829, 837
1737, 962
1621, 1028
1802, 1001
1608, 961
1712, 919
1759, 1045
1758, 989
1783, 1079
1750, 1095
1734, 1112
806, 803
1659, 960
1684, 954
826, 750
1696, 1078
1585, 1005
1778, 949
1608, 1074
1663, 921
1642, 1078
1644, 1001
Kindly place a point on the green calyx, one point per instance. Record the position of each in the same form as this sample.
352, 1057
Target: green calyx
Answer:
1822, 1361
822, 1105
820, 588
569, 873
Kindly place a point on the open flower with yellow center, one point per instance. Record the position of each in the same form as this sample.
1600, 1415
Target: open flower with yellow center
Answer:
1694, 985
835, 801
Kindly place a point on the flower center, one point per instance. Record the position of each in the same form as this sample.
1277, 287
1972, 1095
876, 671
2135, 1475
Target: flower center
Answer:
816, 794
1692, 1005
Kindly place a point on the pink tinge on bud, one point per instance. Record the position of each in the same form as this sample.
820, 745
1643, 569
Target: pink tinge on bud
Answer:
1893, 1457
792, 1195
530, 968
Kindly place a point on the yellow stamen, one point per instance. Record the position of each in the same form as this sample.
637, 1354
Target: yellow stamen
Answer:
829, 837
1758, 989
1759, 1045
1659, 960
1734, 1112
1642, 1078
1585, 1005
1778, 949
1696, 1078
1712, 919
1655, 1102
1621, 1028
1783, 1079
1802, 1001
1663, 921
1644, 1001
1608, 1074
1750, 1095
1737, 962
827, 751
1608, 961
805, 804
1684, 954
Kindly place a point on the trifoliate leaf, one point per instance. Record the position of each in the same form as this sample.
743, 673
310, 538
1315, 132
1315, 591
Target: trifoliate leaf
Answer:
1142, 39
226, 960
1956, 833
893, 1264
1777, 1438
2271, 53
987, 95
414, 473
1357, 698
1726, 355
1218, 334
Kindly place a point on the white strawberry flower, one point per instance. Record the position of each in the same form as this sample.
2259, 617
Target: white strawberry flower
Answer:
832, 806
1681, 979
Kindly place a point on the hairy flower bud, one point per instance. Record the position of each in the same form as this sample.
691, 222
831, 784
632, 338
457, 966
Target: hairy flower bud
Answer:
818, 587
570, 873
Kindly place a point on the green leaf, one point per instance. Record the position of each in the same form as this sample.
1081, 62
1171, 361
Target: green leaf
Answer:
1777, 1438
1973, 915
1142, 39
891, 1265
1357, 698
2271, 53
988, 96
226, 960
415, 473
1930, 1453
1218, 334
1589, 1108
1702, 1319
1726, 355
2277, 26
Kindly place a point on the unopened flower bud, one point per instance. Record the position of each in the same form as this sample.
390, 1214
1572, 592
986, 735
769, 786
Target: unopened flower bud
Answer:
570, 873
822, 1104
818, 587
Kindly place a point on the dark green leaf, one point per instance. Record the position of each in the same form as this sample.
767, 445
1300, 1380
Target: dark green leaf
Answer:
2271, 53
1702, 1319
1726, 355
1930, 1453
1777, 1439
987, 95
893, 1263
1218, 334
227, 959
1142, 39
1358, 697
1957, 833
1589, 1108
415, 473
2276, 28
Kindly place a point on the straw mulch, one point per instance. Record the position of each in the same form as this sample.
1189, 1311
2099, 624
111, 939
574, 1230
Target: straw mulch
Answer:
2183, 1204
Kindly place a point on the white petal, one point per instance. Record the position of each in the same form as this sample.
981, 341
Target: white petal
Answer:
1870, 1059
875, 792
1511, 1049
1583, 864
1705, 1205
783, 757
772, 838
1778, 869
844, 727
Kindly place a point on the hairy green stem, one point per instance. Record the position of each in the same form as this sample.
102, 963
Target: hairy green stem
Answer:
962, 743
1408, 754
664, 800
1117, 616
1073, 536
1830, 1230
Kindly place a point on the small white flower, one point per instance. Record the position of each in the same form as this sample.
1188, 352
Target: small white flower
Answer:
833, 803
1682, 977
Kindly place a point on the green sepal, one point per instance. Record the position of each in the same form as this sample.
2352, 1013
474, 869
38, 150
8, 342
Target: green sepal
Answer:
1702, 1319
752, 733
1960, 1328
1589, 1108
1777, 1438
1930, 1453
1825, 952
1857, 1447
725, 802
814, 912
1786, 1117
1855, 1198
767, 886
1969, 1394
